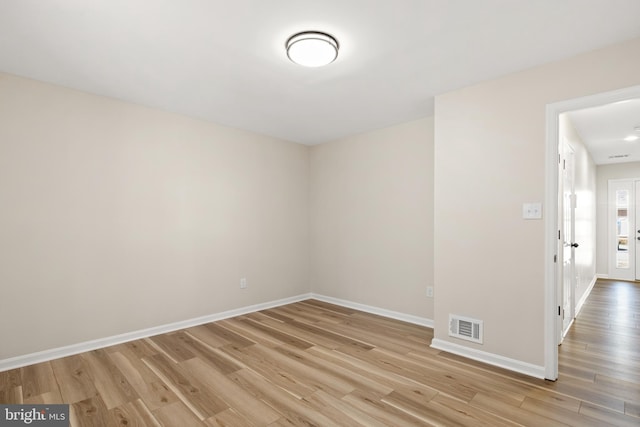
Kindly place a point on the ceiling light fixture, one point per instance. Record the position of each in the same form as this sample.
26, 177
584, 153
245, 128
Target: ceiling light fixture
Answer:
632, 138
312, 48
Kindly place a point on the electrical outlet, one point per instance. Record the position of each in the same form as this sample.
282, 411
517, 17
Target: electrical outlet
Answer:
243, 283
429, 291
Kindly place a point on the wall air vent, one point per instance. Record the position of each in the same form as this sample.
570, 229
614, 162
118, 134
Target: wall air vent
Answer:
465, 328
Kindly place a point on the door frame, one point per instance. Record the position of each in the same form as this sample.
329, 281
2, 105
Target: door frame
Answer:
551, 303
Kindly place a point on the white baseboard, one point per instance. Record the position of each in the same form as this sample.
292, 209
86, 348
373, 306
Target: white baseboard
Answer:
46, 355
602, 276
586, 294
490, 358
417, 320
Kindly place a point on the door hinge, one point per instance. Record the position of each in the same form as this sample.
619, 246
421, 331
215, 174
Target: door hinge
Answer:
555, 258
559, 308
558, 234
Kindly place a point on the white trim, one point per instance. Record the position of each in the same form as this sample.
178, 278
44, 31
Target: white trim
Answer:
602, 276
490, 358
584, 297
416, 320
551, 317
46, 355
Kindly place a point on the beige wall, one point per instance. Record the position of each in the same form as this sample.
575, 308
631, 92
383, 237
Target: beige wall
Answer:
489, 160
372, 218
585, 211
605, 173
116, 217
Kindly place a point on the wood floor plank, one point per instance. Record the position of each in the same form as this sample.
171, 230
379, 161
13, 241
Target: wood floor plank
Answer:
372, 404
473, 378
562, 415
516, 414
560, 400
10, 379
228, 418
139, 348
304, 312
622, 389
295, 410
370, 337
270, 369
149, 386
207, 336
90, 412
325, 337
177, 414
109, 381
279, 335
211, 355
341, 411
632, 408
441, 381
38, 379
73, 378
254, 335
274, 314
48, 398
230, 337
357, 379
133, 414
388, 378
606, 416
11, 387
467, 414
172, 346
12, 396
317, 378
246, 405
202, 401
423, 413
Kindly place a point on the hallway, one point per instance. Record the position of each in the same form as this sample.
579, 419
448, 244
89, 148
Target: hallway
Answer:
603, 348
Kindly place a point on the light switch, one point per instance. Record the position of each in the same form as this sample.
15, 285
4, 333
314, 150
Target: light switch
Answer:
532, 210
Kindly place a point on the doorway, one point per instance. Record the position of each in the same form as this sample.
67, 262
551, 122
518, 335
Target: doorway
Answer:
624, 229
554, 272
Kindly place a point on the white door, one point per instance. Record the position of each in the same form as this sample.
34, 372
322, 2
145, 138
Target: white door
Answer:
567, 236
622, 229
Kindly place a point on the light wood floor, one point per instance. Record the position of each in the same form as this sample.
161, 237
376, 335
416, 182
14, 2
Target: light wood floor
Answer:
316, 364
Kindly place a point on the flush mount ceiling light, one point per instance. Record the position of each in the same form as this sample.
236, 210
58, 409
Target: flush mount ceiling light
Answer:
312, 48
632, 138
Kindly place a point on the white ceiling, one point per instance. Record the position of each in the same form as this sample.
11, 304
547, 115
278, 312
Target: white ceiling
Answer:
224, 60
603, 130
